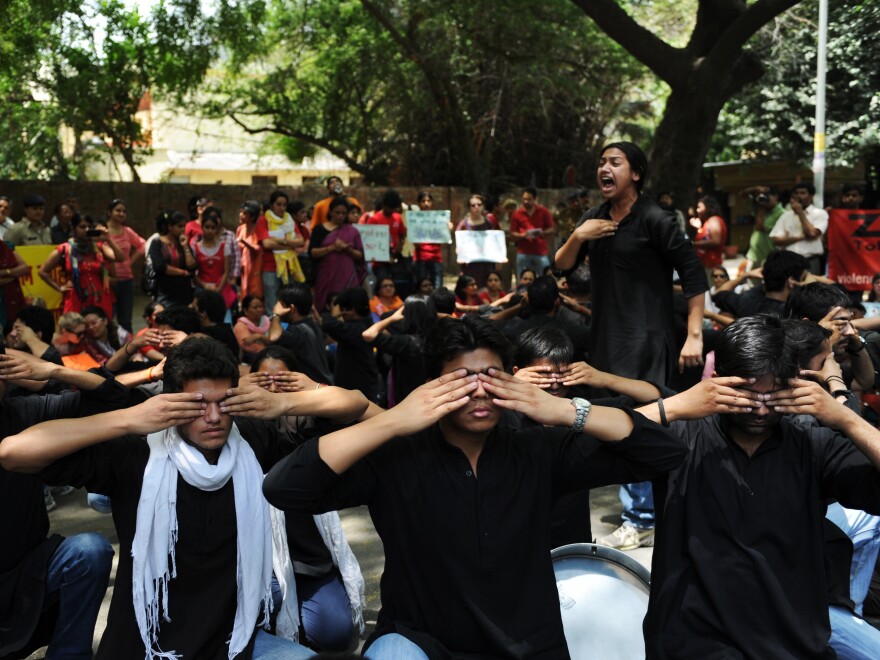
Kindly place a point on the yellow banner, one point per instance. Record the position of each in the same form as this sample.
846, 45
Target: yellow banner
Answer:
32, 285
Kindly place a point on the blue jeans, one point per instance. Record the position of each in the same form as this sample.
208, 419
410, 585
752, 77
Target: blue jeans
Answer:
432, 269
77, 579
537, 262
638, 504
124, 291
269, 647
394, 647
863, 529
271, 284
100, 503
324, 610
852, 638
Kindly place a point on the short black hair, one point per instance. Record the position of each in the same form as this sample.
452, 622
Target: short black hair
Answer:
544, 343
804, 338
298, 295
779, 266
391, 199
38, 319
444, 300
531, 190
543, 294
212, 304
814, 301
450, 337
755, 347
295, 207
180, 317
804, 185
337, 201
276, 195
195, 358
356, 300
276, 352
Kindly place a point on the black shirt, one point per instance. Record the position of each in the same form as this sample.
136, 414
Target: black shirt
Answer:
749, 303
738, 567
223, 333
306, 341
467, 561
202, 598
355, 360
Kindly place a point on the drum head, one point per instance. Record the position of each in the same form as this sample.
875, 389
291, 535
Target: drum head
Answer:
603, 596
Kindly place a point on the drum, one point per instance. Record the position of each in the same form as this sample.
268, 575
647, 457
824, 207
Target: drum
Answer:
603, 596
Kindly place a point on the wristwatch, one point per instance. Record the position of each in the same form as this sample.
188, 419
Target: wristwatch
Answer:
582, 408
856, 351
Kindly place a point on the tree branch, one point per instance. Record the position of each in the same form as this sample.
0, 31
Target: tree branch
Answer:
729, 46
649, 49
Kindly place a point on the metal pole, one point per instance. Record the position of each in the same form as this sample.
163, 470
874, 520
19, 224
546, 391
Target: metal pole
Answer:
819, 135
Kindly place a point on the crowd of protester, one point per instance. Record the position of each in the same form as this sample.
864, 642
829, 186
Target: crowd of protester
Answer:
734, 409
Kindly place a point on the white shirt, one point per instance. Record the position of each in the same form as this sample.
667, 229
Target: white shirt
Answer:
5, 225
789, 226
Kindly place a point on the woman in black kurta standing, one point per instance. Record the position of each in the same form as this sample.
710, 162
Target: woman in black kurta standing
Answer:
633, 247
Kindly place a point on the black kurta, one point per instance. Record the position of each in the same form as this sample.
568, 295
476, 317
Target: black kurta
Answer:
738, 568
467, 562
632, 332
202, 598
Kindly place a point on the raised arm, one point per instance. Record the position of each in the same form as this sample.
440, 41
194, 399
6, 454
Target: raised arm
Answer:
335, 403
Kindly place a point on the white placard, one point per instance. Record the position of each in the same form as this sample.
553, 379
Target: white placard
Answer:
428, 226
377, 242
481, 247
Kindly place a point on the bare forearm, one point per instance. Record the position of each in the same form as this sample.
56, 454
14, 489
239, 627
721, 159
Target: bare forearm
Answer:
862, 434
566, 256
640, 391
862, 370
335, 403
696, 306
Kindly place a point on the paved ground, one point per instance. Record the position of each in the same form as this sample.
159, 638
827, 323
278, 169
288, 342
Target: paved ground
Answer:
73, 515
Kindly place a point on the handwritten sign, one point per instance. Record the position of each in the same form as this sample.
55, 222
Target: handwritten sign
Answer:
32, 285
481, 247
377, 242
428, 226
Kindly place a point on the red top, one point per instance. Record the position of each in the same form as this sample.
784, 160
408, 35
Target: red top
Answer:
211, 266
711, 257
520, 222
396, 228
192, 230
428, 252
261, 233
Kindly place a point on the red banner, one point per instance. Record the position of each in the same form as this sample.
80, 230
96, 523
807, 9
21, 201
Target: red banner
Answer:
853, 247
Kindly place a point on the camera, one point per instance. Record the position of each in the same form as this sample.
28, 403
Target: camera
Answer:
337, 189
762, 198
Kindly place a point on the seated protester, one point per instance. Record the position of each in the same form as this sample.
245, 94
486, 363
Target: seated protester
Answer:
173, 325
386, 298
355, 359
151, 310
542, 308
467, 301
852, 536
70, 338
749, 498
493, 293
526, 277
208, 598
543, 357
211, 308
252, 327
51, 587
328, 594
302, 337
406, 347
828, 305
463, 539
103, 336
782, 272
32, 331
444, 301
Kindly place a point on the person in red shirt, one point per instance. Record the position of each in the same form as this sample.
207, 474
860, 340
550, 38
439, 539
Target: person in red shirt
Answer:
428, 257
530, 226
390, 216
193, 228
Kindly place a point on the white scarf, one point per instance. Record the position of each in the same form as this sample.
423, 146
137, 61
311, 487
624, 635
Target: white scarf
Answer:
330, 528
156, 533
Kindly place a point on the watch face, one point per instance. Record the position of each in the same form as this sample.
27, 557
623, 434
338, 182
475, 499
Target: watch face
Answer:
579, 402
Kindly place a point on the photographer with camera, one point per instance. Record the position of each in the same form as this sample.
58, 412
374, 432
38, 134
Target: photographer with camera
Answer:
322, 208
767, 212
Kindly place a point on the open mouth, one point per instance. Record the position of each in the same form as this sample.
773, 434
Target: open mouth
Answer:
606, 183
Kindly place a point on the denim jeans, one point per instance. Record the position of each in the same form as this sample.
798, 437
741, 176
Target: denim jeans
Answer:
638, 504
432, 269
269, 647
537, 262
77, 579
852, 638
394, 647
100, 503
270, 290
124, 291
863, 529
324, 610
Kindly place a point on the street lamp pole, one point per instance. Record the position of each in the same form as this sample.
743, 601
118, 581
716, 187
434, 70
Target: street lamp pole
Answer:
819, 134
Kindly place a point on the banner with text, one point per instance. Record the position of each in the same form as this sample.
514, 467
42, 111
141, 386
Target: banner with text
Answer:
481, 247
853, 247
377, 242
32, 285
428, 226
